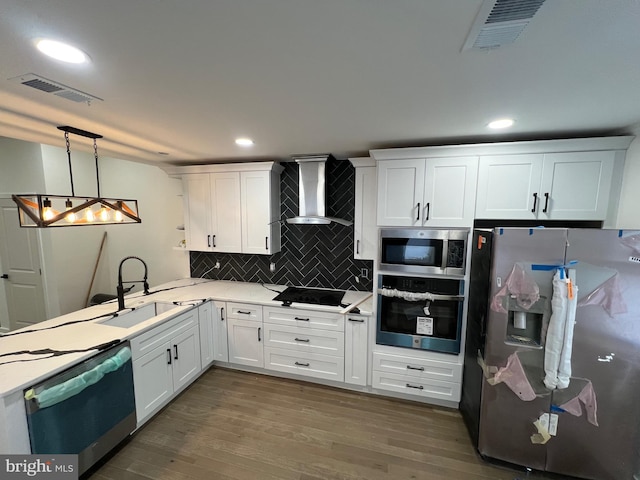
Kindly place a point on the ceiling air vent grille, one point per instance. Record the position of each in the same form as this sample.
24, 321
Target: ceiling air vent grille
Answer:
56, 88
500, 22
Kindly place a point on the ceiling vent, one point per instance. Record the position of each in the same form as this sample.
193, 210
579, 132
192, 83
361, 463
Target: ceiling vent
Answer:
49, 86
500, 22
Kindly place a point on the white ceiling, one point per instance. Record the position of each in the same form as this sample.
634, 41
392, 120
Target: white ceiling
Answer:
314, 76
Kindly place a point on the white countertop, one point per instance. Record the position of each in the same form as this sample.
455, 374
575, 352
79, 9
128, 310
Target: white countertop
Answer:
26, 370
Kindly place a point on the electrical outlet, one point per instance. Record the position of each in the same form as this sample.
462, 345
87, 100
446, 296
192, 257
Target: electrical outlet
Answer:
364, 273
217, 265
272, 267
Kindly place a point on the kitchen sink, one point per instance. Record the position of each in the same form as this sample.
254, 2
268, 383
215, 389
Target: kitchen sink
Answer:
139, 314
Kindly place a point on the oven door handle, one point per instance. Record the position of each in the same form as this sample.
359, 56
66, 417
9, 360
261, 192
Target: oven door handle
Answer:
448, 298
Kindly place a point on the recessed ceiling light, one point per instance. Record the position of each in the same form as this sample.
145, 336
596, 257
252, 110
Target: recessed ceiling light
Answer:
244, 142
61, 51
501, 123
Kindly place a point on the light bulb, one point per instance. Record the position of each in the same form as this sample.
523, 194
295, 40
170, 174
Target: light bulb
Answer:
90, 216
118, 216
70, 217
47, 211
104, 214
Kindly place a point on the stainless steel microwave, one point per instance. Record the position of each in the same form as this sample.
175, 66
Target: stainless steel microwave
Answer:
434, 251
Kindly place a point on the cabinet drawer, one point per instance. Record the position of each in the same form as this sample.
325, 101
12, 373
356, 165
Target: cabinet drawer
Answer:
149, 340
304, 339
422, 387
310, 364
244, 311
417, 368
304, 318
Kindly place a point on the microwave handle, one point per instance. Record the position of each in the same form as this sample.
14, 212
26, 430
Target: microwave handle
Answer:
445, 253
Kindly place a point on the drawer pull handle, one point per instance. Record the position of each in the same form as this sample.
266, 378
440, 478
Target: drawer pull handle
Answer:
306, 340
409, 367
302, 364
259, 330
417, 387
302, 319
359, 320
535, 202
243, 312
222, 314
175, 349
213, 237
168, 356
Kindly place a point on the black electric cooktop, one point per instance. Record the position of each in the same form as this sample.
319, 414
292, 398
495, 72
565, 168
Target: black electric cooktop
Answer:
316, 296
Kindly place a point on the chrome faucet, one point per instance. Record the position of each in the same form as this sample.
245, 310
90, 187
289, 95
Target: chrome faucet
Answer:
120, 288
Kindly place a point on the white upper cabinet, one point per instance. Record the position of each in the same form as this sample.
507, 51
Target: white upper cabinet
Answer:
365, 232
549, 186
431, 191
231, 207
260, 225
226, 231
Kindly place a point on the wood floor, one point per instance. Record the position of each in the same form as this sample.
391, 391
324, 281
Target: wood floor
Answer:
242, 426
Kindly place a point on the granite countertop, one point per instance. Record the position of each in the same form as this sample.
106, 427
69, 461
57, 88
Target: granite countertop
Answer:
20, 371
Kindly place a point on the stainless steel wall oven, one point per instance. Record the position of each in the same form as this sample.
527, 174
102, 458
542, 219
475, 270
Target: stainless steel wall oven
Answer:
420, 312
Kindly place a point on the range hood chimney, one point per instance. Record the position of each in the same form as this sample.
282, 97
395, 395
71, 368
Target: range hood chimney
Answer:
311, 188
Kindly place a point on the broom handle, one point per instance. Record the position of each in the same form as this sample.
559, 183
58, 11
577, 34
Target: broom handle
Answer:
95, 269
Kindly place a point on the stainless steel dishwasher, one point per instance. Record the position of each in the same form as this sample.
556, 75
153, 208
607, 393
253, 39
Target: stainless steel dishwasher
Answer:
85, 410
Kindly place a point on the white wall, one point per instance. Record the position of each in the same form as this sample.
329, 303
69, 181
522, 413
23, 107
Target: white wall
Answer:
74, 250
628, 212
70, 254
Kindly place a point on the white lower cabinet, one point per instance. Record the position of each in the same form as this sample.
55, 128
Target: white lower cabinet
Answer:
427, 378
165, 360
356, 351
205, 320
315, 365
220, 344
245, 335
305, 342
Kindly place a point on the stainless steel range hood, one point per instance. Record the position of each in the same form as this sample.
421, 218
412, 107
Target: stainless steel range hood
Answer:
311, 187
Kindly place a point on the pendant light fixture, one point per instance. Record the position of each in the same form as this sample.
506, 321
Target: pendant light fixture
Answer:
43, 211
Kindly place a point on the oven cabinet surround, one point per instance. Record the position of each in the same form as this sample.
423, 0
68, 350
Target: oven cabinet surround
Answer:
419, 190
232, 207
166, 359
365, 232
245, 334
434, 376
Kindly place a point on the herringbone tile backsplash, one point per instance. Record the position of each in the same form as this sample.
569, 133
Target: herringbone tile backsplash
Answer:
312, 255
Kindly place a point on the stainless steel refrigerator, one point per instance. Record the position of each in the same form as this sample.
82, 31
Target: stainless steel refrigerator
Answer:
590, 426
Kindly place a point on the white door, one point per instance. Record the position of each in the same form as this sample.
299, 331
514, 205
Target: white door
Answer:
220, 346
256, 214
400, 191
576, 185
205, 323
196, 189
355, 352
245, 342
509, 187
365, 233
20, 261
450, 191
185, 349
152, 380
225, 212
